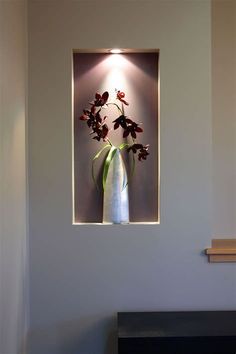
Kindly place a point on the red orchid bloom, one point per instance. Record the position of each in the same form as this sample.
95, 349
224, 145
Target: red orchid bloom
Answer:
100, 100
86, 115
101, 131
121, 121
132, 129
143, 150
129, 126
99, 127
120, 96
135, 147
143, 153
89, 116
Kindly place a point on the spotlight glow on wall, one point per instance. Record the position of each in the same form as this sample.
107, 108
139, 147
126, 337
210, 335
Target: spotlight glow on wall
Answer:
115, 66
116, 51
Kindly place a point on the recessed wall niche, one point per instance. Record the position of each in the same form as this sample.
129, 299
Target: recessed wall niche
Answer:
134, 74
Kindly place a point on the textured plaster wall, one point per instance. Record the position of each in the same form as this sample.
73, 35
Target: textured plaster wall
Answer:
13, 294
80, 276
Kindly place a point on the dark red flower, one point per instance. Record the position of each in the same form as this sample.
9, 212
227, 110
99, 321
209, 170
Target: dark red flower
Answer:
120, 96
143, 150
132, 128
121, 121
143, 153
135, 147
101, 132
96, 122
86, 114
129, 126
89, 116
100, 100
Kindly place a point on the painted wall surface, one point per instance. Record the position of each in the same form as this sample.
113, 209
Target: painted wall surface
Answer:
13, 295
224, 117
80, 276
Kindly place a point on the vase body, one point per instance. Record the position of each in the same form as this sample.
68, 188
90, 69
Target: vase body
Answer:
115, 197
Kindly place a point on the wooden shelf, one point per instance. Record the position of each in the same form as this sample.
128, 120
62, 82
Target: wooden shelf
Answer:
222, 250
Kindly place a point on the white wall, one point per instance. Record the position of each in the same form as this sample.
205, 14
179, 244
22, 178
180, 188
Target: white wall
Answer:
224, 117
13, 296
80, 276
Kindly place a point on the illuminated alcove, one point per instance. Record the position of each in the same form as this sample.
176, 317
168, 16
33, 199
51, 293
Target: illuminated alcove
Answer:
136, 73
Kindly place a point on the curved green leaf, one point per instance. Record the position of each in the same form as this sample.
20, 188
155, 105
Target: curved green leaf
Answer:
107, 163
123, 145
125, 181
94, 159
133, 167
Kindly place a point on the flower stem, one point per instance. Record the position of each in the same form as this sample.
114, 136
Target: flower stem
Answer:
123, 110
114, 104
109, 141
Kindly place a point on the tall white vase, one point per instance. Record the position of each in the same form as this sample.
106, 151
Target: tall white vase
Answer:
115, 197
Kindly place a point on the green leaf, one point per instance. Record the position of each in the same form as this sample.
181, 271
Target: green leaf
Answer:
133, 167
125, 179
107, 163
94, 159
126, 182
122, 146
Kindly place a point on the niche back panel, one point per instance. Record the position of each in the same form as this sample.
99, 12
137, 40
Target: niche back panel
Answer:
136, 74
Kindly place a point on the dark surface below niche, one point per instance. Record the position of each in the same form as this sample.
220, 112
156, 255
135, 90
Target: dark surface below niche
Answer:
197, 332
